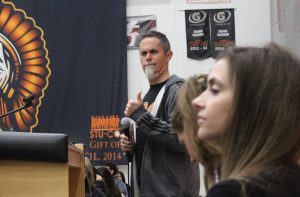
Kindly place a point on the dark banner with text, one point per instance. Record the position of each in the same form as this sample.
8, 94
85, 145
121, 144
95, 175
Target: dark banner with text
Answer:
198, 34
208, 32
71, 56
222, 30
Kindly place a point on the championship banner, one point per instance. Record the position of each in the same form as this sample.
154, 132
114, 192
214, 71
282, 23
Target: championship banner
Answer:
70, 55
137, 25
222, 30
209, 32
197, 34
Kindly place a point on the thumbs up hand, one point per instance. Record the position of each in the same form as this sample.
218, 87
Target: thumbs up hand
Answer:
132, 105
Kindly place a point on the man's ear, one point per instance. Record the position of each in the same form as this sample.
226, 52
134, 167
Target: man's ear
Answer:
169, 55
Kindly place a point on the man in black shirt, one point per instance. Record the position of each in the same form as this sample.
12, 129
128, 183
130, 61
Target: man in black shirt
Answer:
163, 167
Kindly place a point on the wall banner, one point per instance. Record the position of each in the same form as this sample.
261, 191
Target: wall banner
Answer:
24, 68
74, 64
222, 30
198, 34
209, 32
137, 25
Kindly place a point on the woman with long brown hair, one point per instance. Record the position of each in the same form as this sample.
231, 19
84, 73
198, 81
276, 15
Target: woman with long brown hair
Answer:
185, 124
251, 108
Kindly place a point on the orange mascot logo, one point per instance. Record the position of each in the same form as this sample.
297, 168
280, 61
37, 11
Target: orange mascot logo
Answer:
24, 67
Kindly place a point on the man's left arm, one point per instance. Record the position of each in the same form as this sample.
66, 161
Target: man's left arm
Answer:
159, 131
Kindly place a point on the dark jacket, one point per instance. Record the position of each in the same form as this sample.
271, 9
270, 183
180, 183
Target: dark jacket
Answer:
166, 168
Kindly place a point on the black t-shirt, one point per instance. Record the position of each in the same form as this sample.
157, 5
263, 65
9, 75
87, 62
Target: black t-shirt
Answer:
141, 138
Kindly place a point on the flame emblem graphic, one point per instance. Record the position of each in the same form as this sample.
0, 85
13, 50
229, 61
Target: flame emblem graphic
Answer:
24, 67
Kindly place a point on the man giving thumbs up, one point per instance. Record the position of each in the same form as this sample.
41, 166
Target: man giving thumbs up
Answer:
162, 165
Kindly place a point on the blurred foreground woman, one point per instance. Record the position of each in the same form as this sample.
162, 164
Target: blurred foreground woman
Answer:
251, 108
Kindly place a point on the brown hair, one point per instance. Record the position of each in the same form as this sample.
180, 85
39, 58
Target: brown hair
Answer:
184, 119
89, 171
263, 132
164, 41
109, 185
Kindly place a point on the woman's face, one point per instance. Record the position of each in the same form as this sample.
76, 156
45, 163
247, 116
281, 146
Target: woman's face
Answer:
214, 103
118, 176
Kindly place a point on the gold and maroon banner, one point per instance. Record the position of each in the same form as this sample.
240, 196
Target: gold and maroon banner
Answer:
71, 56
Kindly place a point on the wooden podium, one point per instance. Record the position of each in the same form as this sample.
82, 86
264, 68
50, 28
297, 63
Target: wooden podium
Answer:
76, 171
34, 178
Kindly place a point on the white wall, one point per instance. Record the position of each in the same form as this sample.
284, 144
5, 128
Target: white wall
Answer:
286, 32
252, 27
